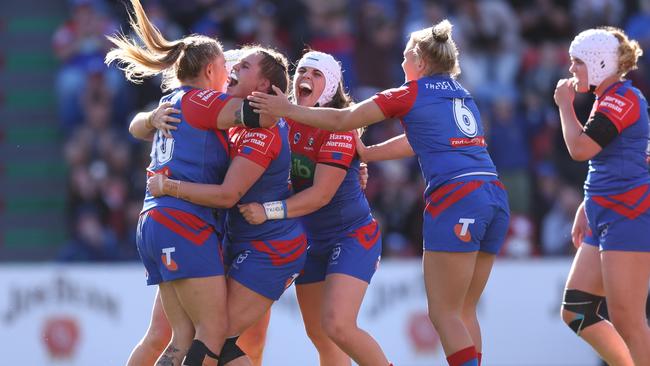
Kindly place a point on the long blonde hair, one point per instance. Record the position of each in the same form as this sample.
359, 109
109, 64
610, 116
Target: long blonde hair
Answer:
177, 61
437, 49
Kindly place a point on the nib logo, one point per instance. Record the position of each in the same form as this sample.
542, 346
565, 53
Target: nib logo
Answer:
462, 229
167, 259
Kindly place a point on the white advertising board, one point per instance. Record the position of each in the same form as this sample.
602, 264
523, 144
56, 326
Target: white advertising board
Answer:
94, 314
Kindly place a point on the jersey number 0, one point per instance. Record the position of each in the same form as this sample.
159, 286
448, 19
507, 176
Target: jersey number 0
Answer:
163, 148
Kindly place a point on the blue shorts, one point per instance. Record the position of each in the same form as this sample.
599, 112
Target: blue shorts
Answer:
174, 244
267, 267
355, 253
620, 221
466, 216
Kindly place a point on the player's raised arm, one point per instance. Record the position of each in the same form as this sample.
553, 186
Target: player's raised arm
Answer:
359, 115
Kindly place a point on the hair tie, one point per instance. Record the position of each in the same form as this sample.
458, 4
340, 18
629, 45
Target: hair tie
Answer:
439, 37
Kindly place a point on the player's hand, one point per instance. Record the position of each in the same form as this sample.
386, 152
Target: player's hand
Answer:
162, 120
363, 175
274, 105
156, 184
580, 226
253, 213
565, 92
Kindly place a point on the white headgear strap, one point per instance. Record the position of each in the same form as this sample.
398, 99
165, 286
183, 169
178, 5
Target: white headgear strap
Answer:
598, 49
330, 68
232, 58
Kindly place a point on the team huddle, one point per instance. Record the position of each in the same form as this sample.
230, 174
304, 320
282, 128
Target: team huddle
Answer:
256, 183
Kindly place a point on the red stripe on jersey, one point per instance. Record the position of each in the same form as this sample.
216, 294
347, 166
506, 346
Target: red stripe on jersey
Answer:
624, 203
367, 235
282, 252
438, 204
176, 221
498, 184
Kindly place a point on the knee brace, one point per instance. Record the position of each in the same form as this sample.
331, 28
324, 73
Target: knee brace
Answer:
230, 351
587, 307
196, 354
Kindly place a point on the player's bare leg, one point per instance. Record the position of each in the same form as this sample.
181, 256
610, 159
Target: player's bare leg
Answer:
586, 276
625, 277
482, 269
310, 299
253, 339
152, 344
245, 307
342, 301
447, 277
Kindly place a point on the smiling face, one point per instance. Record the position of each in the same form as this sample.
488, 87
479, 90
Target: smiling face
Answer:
308, 85
412, 64
580, 75
246, 76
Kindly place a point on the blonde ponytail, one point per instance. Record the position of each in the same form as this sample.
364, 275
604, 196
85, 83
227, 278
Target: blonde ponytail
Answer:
175, 60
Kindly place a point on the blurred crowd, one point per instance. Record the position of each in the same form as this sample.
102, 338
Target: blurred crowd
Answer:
512, 54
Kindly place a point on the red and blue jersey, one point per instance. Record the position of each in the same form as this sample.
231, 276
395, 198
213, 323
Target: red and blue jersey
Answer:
621, 164
198, 152
268, 148
443, 125
348, 208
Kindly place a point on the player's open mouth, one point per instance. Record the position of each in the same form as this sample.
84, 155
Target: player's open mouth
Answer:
304, 90
232, 79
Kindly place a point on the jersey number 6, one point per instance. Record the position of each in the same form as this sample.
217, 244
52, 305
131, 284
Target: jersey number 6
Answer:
465, 120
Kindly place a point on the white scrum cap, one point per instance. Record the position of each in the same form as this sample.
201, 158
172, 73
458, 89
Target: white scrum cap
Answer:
330, 68
598, 49
232, 57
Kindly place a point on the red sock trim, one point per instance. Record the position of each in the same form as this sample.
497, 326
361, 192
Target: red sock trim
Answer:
462, 356
480, 355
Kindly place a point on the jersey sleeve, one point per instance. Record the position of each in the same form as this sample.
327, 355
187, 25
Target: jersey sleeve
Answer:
338, 149
259, 145
201, 107
622, 110
397, 102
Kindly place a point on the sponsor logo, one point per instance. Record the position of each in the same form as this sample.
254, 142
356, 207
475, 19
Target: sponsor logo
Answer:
296, 137
617, 104
310, 142
462, 229
422, 334
167, 259
339, 143
336, 252
204, 98
463, 141
259, 141
61, 336
302, 167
